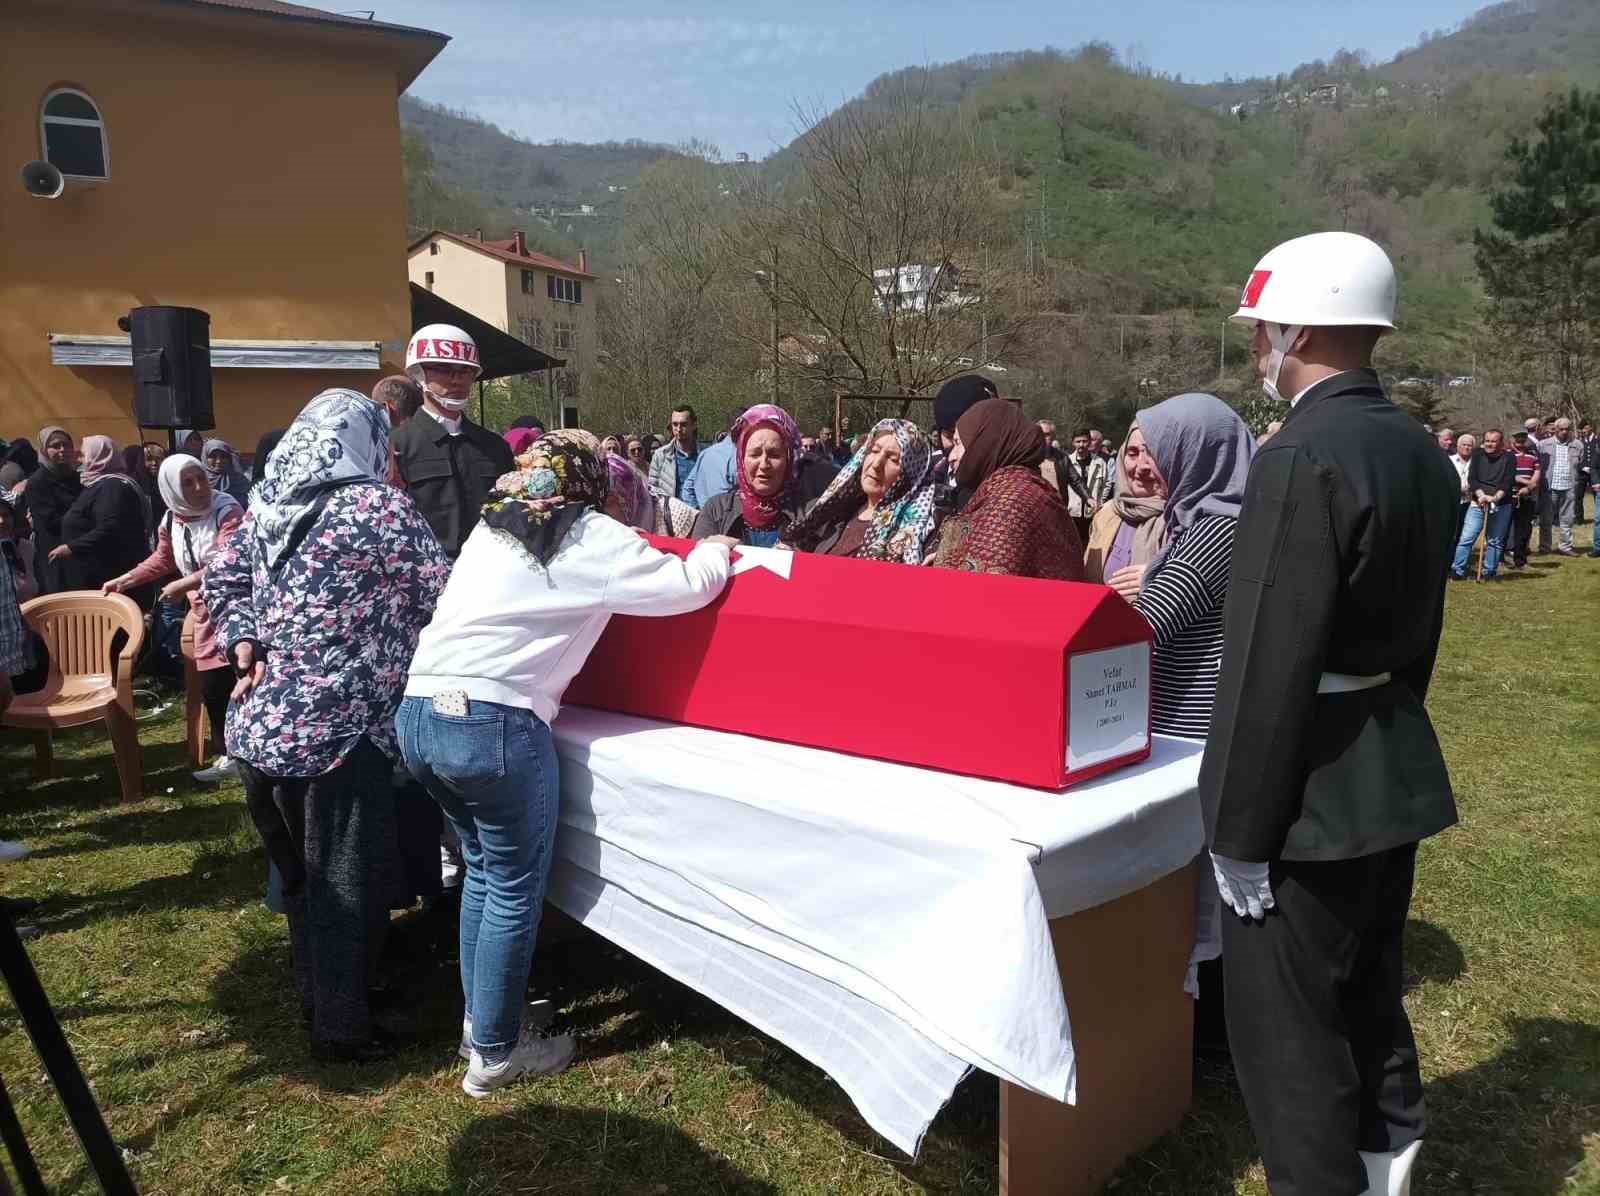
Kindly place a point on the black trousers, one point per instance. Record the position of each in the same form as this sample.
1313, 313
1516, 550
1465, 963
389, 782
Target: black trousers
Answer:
216, 687
331, 837
1527, 510
1321, 1042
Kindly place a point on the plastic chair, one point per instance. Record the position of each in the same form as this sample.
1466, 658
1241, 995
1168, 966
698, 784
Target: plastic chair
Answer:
194, 704
85, 684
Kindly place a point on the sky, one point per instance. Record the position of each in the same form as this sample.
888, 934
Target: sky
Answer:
733, 74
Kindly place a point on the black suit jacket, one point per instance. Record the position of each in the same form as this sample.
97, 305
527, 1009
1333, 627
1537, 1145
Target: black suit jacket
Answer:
449, 477
1339, 566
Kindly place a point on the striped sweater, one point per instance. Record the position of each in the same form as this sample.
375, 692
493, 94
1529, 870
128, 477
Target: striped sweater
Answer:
1183, 605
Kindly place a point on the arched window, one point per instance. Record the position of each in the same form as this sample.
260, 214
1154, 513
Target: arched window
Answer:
73, 136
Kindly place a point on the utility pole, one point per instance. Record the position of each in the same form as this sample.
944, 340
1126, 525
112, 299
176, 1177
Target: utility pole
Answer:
983, 315
1222, 352
772, 294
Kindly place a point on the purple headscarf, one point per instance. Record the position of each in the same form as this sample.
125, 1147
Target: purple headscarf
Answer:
762, 511
631, 489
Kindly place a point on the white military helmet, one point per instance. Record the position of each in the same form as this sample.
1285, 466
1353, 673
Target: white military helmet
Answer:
1324, 280
444, 344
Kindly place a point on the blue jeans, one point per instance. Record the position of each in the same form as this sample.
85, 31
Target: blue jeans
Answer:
1499, 523
493, 772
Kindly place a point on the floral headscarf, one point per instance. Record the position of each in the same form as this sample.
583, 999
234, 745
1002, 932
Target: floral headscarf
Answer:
340, 437
904, 518
537, 506
630, 487
762, 511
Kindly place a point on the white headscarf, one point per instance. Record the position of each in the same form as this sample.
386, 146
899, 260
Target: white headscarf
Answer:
341, 437
193, 530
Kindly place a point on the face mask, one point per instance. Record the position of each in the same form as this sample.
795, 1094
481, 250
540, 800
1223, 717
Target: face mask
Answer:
1281, 338
451, 405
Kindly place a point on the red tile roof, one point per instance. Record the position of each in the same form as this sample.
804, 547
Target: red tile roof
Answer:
506, 252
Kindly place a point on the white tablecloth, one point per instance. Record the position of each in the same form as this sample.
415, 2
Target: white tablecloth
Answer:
888, 923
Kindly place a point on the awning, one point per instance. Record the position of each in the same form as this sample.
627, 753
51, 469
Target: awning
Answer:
500, 353
69, 349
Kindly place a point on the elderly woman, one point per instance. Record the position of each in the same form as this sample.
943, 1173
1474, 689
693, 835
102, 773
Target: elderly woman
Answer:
1128, 532
535, 585
198, 520
612, 446
318, 599
880, 506
767, 499
1200, 452
223, 472
631, 501
48, 494
106, 530
1015, 523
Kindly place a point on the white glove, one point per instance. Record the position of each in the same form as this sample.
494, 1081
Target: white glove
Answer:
1244, 886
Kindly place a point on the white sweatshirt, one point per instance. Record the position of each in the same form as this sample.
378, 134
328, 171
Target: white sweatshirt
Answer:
510, 632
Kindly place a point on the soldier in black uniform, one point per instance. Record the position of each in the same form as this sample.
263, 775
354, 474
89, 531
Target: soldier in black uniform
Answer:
447, 463
1322, 770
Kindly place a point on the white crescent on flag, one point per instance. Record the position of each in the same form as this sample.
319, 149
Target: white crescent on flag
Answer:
773, 560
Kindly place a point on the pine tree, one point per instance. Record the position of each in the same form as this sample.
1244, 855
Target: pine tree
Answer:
1541, 263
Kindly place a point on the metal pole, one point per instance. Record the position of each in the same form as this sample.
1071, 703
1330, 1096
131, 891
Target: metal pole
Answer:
28, 996
772, 296
1222, 351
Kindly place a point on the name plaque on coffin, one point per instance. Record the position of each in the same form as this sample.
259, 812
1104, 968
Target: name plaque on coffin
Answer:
1039, 683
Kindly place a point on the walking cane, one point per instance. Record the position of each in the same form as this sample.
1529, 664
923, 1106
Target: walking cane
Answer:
1483, 542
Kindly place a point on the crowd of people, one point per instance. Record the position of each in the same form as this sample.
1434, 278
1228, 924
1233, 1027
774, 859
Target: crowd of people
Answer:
388, 609
1542, 474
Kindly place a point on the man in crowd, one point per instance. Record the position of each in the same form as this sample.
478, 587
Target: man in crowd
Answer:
1525, 496
1447, 440
1314, 804
1098, 445
1561, 462
672, 468
1491, 485
1049, 431
715, 471
1466, 444
401, 398
1090, 470
1587, 474
447, 463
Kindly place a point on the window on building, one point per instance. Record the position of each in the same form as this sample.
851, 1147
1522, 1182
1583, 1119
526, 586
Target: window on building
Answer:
528, 282
433, 249
72, 135
564, 290
532, 330
427, 278
566, 335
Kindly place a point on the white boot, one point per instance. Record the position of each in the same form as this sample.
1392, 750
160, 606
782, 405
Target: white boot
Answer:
1389, 1171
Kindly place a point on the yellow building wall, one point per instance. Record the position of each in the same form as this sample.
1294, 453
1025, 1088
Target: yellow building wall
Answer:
467, 278
255, 173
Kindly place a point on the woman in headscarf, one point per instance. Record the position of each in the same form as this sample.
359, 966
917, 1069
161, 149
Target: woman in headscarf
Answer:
1128, 532
1201, 451
21, 454
318, 599
631, 501
192, 442
535, 585
133, 464
198, 521
611, 445
258, 465
106, 530
1015, 523
223, 472
519, 440
766, 500
49, 493
880, 505
17, 553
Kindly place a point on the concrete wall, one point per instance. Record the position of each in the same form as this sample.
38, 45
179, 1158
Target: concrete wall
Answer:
255, 173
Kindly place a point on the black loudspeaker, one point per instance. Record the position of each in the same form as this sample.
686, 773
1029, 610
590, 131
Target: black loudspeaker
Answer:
171, 367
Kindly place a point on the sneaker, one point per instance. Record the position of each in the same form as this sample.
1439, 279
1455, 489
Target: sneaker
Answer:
536, 1015
1565, 552
11, 851
223, 769
532, 1056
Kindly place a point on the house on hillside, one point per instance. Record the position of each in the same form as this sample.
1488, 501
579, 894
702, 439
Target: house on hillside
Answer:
918, 287
540, 300
239, 156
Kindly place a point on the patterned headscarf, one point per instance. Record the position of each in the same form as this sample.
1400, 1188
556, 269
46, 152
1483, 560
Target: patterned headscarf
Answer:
339, 438
630, 487
762, 511
904, 518
537, 506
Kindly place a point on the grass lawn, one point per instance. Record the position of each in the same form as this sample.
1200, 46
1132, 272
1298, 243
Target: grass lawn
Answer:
170, 979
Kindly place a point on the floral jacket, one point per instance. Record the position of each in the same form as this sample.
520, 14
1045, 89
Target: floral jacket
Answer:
338, 624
